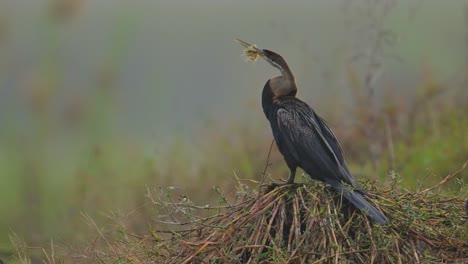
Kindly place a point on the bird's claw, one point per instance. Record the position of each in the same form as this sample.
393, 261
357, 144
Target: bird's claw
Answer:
276, 184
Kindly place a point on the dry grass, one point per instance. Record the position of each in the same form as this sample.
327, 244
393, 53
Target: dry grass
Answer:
302, 223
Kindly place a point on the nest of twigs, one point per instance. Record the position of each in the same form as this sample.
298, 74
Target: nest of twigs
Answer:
308, 223
302, 223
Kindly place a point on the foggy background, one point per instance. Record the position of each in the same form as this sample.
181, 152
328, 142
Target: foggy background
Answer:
175, 66
101, 99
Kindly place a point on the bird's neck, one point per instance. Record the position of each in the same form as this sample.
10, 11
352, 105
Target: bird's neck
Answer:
274, 91
287, 73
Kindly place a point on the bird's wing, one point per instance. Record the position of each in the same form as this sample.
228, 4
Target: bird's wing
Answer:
303, 131
312, 140
332, 141
336, 147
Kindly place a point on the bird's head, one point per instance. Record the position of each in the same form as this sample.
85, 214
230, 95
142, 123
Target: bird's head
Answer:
252, 52
281, 85
274, 59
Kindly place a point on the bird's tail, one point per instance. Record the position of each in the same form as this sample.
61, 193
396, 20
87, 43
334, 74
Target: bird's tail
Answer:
358, 200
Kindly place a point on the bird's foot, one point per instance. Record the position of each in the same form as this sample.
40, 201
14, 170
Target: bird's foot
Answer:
277, 184
270, 187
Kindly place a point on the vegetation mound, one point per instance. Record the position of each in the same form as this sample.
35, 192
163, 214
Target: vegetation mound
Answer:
303, 223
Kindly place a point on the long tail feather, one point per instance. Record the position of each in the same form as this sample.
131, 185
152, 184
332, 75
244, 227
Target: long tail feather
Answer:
358, 200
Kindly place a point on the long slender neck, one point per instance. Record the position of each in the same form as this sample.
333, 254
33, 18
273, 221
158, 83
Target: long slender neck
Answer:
278, 87
274, 90
287, 74
285, 84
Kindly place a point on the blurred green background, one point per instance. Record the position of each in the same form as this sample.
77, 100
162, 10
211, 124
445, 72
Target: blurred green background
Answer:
100, 100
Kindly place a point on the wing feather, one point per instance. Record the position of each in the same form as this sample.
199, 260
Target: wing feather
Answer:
310, 140
304, 130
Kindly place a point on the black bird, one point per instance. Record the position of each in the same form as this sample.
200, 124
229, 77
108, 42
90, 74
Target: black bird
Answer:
303, 137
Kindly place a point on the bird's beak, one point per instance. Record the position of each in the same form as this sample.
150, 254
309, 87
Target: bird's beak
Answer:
250, 46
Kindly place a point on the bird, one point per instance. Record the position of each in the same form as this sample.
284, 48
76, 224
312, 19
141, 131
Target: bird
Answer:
303, 137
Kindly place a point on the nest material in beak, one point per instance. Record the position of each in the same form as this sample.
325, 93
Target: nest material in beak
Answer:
251, 52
